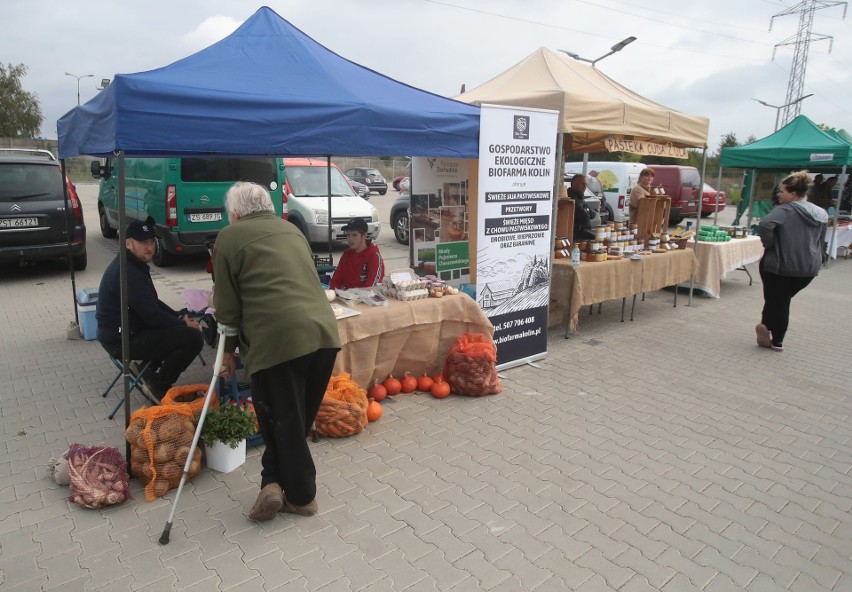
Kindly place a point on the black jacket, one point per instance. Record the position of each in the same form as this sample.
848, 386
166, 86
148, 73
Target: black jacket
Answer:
145, 309
582, 220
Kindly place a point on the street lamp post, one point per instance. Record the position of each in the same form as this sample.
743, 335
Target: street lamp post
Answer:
614, 49
78, 82
779, 107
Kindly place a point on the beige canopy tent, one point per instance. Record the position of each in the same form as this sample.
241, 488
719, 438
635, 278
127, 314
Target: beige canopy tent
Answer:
596, 113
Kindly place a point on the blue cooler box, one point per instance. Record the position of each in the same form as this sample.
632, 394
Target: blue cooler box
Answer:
87, 302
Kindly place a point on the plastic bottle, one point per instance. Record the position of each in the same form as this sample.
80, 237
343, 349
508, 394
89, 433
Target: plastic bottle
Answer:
575, 256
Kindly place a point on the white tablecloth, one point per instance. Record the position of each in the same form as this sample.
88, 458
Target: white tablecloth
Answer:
844, 239
716, 260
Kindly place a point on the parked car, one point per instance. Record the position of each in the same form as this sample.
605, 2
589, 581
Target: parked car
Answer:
370, 177
598, 215
185, 197
681, 183
616, 180
33, 221
708, 201
362, 190
399, 217
306, 187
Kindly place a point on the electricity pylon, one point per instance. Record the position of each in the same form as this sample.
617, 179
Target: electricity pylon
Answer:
801, 42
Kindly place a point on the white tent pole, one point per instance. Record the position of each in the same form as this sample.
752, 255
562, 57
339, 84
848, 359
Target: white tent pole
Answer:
718, 189
751, 198
840, 183
697, 221
558, 181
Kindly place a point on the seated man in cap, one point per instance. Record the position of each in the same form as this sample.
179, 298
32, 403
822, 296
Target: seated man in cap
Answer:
361, 265
157, 332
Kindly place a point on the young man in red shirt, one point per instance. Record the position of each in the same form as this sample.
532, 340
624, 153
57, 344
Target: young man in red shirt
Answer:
361, 265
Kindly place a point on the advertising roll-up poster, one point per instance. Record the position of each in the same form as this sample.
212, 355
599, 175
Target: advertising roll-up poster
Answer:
517, 164
439, 223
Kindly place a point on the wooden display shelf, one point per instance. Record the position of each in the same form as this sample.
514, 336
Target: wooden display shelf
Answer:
565, 218
653, 216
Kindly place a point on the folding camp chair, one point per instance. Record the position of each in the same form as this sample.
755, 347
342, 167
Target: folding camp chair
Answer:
135, 379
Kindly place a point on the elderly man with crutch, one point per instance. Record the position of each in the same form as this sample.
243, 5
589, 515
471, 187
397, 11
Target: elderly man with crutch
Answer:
267, 285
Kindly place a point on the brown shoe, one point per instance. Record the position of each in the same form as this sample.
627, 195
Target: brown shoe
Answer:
763, 335
269, 501
308, 510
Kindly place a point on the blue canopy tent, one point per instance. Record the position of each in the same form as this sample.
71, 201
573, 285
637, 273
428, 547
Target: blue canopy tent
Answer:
265, 90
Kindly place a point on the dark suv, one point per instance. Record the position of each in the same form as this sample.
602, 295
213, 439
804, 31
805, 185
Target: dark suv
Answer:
33, 221
370, 177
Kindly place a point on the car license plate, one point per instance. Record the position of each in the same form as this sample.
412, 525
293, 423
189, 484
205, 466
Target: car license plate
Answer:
18, 222
206, 217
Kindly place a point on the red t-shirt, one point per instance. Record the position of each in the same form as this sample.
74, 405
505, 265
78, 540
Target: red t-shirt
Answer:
359, 270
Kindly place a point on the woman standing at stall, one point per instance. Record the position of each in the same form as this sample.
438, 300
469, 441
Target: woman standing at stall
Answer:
640, 190
792, 235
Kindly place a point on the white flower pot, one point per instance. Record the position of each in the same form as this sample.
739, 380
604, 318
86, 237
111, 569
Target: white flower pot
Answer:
223, 458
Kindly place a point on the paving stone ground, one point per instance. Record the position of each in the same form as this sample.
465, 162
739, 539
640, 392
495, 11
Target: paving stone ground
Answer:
669, 453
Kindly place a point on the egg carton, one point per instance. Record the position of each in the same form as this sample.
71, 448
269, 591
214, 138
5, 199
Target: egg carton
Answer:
405, 280
417, 294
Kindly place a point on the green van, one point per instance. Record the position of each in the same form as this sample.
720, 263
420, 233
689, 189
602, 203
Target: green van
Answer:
185, 197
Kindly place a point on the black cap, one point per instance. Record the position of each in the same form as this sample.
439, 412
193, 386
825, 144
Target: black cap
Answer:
141, 230
358, 224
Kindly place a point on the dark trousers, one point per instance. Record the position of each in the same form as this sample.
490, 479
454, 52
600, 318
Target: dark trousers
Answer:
778, 291
286, 399
171, 349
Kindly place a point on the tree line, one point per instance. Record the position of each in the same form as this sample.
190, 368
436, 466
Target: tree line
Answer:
20, 111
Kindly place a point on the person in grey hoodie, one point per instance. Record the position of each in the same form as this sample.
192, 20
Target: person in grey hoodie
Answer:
792, 234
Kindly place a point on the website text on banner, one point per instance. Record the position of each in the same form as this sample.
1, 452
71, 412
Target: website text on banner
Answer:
517, 164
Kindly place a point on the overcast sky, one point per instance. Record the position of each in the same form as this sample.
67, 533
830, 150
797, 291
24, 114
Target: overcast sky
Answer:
701, 57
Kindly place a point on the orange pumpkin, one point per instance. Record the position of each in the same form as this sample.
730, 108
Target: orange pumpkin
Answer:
440, 389
378, 392
392, 385
424, 383
408, 383
374, 411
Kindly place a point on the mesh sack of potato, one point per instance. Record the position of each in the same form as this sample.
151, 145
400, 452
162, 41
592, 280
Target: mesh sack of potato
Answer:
191, 395
343, 411
98, 476
471, 366
160, 438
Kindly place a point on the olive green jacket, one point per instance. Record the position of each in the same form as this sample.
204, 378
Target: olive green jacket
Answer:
267, 285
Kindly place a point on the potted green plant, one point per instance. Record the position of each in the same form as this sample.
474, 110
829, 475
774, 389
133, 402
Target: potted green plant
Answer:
224, 432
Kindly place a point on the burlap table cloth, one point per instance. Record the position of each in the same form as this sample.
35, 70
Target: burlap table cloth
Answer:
412, 336
715, 260
590, 283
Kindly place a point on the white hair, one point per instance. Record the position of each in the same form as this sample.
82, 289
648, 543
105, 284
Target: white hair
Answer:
245, 198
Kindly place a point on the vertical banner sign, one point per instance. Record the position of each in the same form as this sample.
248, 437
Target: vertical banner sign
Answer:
439, 218
517, 161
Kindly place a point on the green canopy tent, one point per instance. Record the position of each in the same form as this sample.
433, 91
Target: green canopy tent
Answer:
799, 145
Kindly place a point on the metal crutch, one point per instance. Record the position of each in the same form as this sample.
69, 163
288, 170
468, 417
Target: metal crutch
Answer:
224, 331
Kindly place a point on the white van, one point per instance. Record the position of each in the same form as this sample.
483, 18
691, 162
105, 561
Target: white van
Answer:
616, 178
